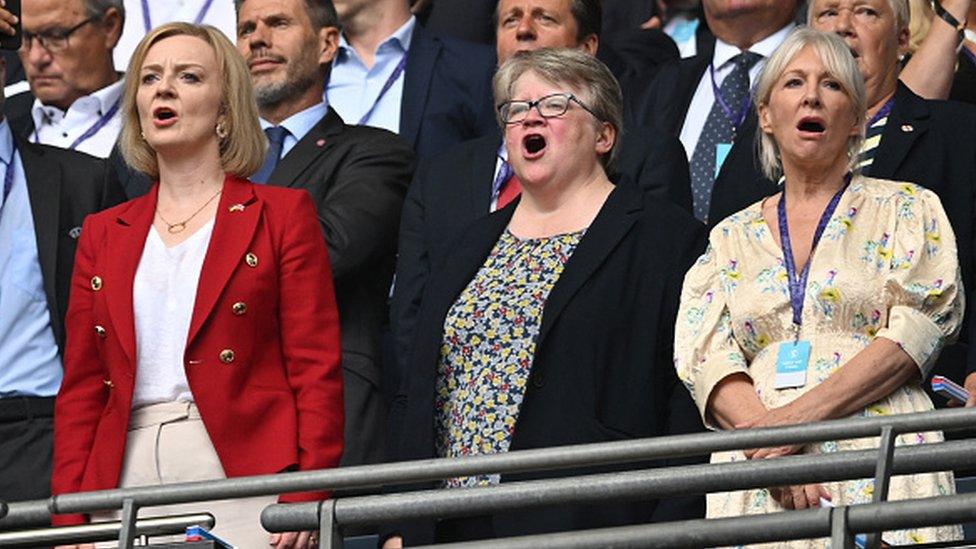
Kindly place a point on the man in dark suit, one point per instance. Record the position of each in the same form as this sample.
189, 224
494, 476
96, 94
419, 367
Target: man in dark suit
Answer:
718, 131
392, 73
357, 176
452, 190
47, 192
931, 143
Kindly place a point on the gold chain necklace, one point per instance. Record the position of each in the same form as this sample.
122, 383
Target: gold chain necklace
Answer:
180, 226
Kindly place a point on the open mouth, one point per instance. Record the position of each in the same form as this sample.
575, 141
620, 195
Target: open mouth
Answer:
811, 125
854, 53
534, 144
164, 116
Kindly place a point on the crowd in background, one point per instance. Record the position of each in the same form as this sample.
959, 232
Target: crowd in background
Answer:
248, 237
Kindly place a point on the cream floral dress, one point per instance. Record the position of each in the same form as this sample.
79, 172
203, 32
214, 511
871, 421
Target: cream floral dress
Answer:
886, 266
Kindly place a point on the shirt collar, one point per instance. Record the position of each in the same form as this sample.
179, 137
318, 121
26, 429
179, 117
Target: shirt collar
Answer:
6, 142
402, 37
102, 100
724, 52
301, 122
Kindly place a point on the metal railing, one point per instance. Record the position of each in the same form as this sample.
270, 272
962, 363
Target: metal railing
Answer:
335, 515
103, 531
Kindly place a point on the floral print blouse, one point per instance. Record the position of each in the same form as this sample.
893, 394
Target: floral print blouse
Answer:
488, 346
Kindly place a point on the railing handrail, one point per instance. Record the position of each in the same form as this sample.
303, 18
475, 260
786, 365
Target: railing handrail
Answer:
555, 458
627, 485
772, 527
104, 531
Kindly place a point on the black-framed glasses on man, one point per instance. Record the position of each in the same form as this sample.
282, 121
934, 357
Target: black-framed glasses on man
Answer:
53, 40
553, 105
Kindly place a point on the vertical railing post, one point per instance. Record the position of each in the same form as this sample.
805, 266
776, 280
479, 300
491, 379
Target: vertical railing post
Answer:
840, 535
127, 532
329, 535
882, 477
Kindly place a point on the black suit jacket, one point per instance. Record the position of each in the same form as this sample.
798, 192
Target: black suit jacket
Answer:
664, 106
357, 177
452, 190
63, 187
447, 95
18, 111
602, 368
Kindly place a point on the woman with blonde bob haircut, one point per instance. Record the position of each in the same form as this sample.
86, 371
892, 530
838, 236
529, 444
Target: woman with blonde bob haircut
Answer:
242, 148
203, 331
829, 299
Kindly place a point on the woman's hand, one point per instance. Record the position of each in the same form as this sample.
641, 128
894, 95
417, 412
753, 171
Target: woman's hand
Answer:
802, 496
971, 387
393, 542
295, 540
791, 414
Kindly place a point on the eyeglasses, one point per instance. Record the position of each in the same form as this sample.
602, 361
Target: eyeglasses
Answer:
551, 106
54, 40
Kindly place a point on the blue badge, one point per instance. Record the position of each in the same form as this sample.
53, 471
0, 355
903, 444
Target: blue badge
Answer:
722, 151
791, 364
684, 30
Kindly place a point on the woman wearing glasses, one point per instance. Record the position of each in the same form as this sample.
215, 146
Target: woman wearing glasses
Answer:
550, 323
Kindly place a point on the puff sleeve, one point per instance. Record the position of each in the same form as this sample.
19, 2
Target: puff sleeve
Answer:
705, 351
923, 286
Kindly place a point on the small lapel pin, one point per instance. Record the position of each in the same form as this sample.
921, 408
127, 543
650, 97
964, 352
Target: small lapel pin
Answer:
75, 232
907, 128
237, 208
320, 143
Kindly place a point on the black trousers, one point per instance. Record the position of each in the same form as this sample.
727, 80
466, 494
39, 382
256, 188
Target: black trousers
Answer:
26, 445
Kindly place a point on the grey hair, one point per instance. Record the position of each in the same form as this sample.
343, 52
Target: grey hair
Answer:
571, 67
839, 64
900, 8
96, 9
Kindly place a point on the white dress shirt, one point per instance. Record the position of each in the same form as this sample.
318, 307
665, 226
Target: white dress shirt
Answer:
219, 13
701, 103
58, 128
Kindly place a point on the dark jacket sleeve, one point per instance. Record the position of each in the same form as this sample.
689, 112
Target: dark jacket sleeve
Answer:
362, 210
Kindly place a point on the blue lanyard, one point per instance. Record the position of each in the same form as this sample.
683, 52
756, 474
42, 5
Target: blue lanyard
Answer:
8, 177
736, 119
798, 284
147, 20
394, 76
98, 125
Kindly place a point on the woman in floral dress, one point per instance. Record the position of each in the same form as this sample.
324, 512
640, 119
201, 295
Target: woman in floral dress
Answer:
830, 299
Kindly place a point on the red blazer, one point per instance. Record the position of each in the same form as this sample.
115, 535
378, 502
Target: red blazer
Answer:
266, 379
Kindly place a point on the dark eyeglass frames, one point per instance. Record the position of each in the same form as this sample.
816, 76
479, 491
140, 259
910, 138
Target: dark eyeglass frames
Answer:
53, 40
553, 105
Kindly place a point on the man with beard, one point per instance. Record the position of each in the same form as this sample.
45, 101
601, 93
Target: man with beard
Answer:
356, 175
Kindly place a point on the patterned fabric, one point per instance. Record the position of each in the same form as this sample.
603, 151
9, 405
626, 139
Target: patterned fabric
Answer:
872, 138
718, 129
885, 267
489, 343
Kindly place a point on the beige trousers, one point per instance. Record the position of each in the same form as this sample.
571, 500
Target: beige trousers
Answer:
167, 443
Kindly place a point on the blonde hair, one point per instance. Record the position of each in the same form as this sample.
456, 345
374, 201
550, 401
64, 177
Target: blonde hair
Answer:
919, 24
839, 63
242, 150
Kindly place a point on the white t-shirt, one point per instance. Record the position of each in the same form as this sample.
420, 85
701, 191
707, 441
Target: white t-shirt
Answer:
163, 296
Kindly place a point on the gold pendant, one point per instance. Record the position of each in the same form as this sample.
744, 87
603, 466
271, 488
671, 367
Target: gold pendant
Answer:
176, 228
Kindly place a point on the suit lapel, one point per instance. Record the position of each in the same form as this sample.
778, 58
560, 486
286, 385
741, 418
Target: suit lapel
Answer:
615, 219
125, 241
44, 189
232, 234
416, 82
908, 121
690, 72
483, 162
305, 153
